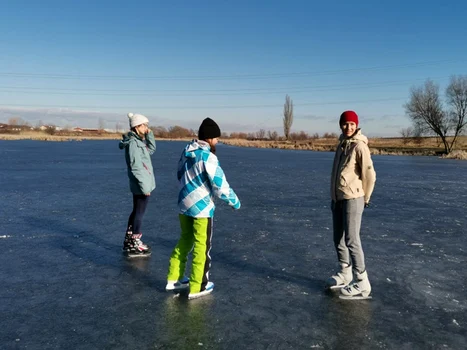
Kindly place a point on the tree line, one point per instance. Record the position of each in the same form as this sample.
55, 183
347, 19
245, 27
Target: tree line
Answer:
177, 132
429, 112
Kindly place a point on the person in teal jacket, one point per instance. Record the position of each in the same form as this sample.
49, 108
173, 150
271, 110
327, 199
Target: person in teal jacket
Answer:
139, 144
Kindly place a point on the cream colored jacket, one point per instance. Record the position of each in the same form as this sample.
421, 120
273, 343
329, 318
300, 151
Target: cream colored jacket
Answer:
353, 175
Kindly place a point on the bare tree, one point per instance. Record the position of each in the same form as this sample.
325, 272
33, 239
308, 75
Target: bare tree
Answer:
299, 136
251, 136
178, 131
288, 116
238, 135
15, 121
456, 96
101, 124
273, 135
406, 134
160, 131
50, 129
261, 134
330, 135
426, 111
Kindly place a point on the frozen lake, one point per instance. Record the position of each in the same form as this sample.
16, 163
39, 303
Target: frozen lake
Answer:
66, 285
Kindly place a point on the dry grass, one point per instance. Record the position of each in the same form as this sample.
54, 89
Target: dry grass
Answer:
311, 145
42, 136
393, 146
457, 155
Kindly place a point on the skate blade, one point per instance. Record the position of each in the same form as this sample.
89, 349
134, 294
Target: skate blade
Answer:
334, 287
200, 294
356, 297
134, 256
179, 293
179, 289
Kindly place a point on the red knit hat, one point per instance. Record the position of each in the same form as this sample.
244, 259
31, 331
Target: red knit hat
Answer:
348, 116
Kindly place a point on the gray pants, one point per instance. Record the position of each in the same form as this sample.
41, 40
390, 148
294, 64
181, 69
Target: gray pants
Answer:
347, 219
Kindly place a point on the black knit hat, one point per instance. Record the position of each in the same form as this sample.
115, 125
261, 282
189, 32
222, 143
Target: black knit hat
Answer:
208, 130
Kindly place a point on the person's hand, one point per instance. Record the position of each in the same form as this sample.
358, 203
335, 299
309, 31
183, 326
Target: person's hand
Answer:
147, 194
367, 204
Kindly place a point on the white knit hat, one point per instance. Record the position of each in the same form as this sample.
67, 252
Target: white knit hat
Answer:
137, 119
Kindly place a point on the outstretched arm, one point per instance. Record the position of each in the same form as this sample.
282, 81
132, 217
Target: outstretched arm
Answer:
220, 186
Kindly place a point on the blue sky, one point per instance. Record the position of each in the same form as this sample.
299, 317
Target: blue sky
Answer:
75, 62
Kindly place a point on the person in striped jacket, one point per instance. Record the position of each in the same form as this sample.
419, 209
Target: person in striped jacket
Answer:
201, 179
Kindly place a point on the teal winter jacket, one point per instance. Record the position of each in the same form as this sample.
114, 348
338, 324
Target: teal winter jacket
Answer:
138, 159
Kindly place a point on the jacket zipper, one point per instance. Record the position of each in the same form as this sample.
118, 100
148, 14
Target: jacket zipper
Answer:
147, 169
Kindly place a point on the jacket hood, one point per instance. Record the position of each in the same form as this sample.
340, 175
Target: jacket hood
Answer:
126, 139
356, 137
194, 146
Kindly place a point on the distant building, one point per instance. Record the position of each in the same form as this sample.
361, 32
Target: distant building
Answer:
49, 127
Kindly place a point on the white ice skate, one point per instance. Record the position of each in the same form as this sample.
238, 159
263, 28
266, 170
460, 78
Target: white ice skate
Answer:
208, 290
177, 286
341, 279
358, 290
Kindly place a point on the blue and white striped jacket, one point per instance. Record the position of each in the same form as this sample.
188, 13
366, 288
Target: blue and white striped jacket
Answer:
201, 178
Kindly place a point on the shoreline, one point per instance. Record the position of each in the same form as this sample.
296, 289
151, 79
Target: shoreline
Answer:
46, 137
69, 138
378, 146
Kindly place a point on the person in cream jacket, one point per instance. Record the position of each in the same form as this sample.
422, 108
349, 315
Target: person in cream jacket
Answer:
352, 182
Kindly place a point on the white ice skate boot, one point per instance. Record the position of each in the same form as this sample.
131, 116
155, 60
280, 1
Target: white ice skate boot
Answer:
175, 286
342, 278
208, 290
360, 289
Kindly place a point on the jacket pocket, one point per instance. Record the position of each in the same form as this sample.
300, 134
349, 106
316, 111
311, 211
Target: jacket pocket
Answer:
344, 185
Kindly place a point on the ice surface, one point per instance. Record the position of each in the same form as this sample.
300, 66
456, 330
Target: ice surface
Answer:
66, 285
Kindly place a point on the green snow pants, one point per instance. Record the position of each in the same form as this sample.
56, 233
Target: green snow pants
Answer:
196, 235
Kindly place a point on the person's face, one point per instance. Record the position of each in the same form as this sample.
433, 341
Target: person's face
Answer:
348, 128
212, 144
142, 129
